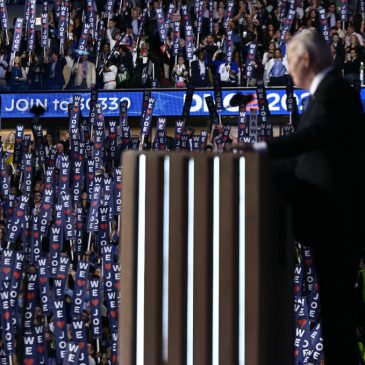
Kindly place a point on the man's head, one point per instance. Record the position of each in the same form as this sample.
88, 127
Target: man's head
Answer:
201, 55
54, 56
308, 55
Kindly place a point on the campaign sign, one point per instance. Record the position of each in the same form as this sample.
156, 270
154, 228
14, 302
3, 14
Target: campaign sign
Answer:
167, 103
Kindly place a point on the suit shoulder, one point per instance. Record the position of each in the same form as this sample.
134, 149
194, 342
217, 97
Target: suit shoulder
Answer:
335, 87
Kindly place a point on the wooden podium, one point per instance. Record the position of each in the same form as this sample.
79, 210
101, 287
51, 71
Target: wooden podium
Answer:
206, 275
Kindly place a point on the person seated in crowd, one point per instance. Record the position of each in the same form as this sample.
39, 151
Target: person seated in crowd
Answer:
276, 70
18, 76
85, 75
53, 71
180, 73
200, 71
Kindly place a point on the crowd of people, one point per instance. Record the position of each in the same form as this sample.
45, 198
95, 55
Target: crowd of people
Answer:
130, 57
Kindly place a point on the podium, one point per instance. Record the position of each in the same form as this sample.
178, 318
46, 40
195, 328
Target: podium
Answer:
206, 268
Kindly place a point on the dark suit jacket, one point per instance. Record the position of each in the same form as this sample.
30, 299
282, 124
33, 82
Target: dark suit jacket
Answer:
320, 170
197, 79
58, 80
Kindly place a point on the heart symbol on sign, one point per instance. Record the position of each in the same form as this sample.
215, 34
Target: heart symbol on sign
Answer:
80, 282
77, 177
43, 279
28, 361
6, 315
114, 359
118, 186
81, 345
116, 285
94, 203
103, 226
308, 262
296, 289
46, 206
95, 302
296, 353
30, 296
6, 270
67, 211
58, 222
60, 324
40, 349
55, 246
113, 314
302, 322
64, 179
19, 213
111, 135
108, 266
35, 234
17, 275
28, 168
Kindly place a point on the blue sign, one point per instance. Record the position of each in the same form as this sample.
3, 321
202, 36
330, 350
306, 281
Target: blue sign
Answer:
168, 102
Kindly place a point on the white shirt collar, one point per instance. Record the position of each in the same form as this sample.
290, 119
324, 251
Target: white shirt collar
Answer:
318, 79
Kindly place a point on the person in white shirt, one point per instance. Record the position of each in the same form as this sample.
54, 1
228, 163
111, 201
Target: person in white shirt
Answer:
110, 75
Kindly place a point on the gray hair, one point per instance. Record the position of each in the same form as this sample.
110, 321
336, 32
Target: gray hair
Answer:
311, 41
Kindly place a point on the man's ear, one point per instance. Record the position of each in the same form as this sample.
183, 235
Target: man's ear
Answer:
306, 59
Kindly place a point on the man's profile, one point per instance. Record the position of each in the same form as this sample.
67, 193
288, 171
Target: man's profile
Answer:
320, 174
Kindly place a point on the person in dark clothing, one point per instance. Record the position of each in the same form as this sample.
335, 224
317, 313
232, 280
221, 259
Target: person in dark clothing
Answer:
352, 68
53, 71
199, 71
324, 188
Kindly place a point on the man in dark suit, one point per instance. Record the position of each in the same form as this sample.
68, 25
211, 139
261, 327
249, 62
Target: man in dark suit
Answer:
320, 174
53, 71
200, 71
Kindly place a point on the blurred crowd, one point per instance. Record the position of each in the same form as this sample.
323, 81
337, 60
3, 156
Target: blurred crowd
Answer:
128, 58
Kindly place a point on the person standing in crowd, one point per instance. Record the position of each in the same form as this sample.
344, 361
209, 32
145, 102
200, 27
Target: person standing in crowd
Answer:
85, 75
67, 70
18, 76
332, 15
352, 68
276, 70
3, 69
35, 74
180, 73
351, 32
110, 75
53, 71
324, 188
228, 71
200, 71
